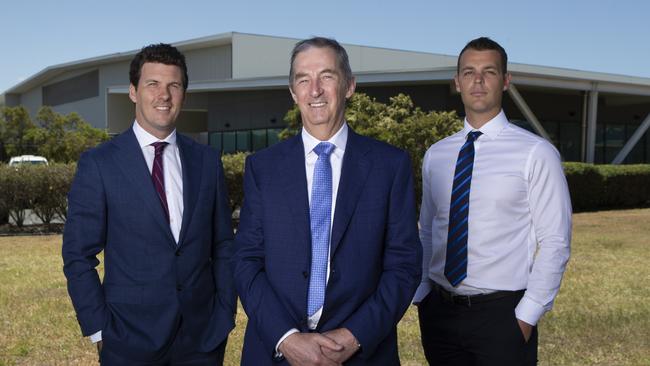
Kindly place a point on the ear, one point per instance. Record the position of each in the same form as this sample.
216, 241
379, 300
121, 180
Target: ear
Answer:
351, 86
132, 93
457, 83
293, 95
506, 81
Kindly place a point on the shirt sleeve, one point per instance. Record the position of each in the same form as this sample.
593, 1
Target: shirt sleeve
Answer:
425, 222
96, 337
550, 206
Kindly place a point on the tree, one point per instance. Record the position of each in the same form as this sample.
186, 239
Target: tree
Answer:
398, 123
15, 123
63, 138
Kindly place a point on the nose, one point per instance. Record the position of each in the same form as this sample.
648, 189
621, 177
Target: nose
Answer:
478, 78
316, 88
165, 94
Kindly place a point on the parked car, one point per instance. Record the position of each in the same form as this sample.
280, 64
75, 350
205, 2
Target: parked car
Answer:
27, 160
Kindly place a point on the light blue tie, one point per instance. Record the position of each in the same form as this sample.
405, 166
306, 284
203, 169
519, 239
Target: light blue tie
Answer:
320, 213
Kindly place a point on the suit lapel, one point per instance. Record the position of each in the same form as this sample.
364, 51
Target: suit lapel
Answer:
130, 160
354, 173
294, 177
191, 161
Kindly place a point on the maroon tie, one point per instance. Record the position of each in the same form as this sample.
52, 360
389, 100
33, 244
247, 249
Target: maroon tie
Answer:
158, 177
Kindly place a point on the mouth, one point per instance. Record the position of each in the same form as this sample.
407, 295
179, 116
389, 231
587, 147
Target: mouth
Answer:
163, 108
317, 104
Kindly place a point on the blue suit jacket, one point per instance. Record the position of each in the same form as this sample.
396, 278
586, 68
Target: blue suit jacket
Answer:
150, 283
375, 260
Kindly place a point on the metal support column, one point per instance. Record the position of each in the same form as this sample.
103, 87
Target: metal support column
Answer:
583, 130
629, 145
591, 124
525, 110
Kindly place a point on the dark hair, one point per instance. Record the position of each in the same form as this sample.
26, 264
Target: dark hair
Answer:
485, 44
161, 53
342, 60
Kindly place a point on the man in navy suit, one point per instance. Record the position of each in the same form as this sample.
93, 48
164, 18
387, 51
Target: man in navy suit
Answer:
327, 254
155, 202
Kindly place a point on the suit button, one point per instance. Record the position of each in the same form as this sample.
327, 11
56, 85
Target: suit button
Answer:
178, 253
179, 288
305, 274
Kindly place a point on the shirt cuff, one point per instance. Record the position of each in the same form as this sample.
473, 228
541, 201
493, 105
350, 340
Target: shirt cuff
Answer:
96, 337
529, 311
277, 346
422, 291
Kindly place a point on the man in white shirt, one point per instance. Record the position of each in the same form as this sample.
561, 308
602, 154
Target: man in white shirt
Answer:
495, 226
155, 203
327, 256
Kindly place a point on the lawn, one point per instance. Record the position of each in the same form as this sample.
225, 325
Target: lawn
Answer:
601, 317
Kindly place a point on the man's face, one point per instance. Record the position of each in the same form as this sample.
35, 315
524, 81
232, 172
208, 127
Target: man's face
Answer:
158, 98
319, 89
481, 84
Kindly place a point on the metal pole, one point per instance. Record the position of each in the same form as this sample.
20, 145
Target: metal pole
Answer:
591, 124
527, 112
629, 145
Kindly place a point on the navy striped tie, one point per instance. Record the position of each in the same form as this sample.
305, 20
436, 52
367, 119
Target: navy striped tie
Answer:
456, 261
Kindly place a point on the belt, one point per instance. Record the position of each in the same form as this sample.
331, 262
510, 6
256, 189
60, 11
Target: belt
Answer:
468, 300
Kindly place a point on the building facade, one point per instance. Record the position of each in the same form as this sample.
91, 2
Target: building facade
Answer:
238, 95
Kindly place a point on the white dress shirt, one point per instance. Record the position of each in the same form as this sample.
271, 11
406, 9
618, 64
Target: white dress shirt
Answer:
519, 216
339, 140
173, 176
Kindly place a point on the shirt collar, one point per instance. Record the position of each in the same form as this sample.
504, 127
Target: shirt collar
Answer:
491, 129
145, 138
339, 139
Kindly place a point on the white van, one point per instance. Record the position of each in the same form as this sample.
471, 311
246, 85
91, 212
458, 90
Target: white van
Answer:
27, 160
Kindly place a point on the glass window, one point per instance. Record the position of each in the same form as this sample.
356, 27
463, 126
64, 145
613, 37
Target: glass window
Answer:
243, 140
229, 142
259, 139
636, 156
272, 136
570, 137
214, 139
600, 144
614, 140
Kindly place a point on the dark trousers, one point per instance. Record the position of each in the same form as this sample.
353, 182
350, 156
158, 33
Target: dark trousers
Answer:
485, 333
181, 353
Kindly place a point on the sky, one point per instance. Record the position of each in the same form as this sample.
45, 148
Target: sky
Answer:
595, 35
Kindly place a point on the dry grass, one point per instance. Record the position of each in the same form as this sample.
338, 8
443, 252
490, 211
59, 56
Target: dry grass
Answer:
601, 317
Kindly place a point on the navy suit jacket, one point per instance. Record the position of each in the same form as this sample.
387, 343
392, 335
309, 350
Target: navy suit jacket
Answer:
150, 283
375, 260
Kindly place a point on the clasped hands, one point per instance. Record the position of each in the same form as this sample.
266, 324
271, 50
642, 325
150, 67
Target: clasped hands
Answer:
328, 349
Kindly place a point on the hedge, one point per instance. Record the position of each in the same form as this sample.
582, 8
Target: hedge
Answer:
597, 187
43, 189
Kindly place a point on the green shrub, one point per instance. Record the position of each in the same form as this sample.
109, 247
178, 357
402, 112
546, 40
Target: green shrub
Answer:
586, 185
233, 166
16, 197
596, 187
626, 185
40, 188
50, 186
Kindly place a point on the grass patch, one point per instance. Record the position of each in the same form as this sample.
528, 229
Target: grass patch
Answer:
601, 317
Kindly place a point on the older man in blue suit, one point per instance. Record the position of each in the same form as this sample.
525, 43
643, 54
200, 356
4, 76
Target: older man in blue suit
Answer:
327, 254
155, 202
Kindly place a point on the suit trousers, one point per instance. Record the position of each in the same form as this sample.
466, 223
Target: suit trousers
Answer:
180, 353
481, 334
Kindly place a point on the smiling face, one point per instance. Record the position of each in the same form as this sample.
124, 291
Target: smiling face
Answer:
320, 90
158, 98
481, 83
